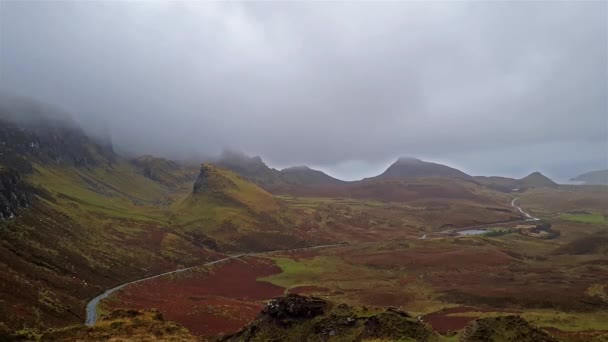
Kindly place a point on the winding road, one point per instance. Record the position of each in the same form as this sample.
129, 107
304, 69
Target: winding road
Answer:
91, 309
513, 204
527, 215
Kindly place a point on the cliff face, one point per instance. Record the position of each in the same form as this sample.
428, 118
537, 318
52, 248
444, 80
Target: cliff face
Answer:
14, 193
34, 133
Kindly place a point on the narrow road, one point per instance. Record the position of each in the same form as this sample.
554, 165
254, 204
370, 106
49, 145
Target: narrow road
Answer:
93, 303
513, 204
528, 216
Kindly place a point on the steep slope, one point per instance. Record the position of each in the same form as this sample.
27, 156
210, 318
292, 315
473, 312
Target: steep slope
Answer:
505, 184
236, 213
32, 132
15, 194
596, 243
599, 177
535, 180
218, 184
416, 168
83, 220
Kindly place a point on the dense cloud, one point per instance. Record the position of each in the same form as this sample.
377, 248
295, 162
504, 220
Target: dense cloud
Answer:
493, 88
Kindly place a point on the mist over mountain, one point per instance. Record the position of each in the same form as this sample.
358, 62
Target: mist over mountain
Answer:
495, 94
593, 177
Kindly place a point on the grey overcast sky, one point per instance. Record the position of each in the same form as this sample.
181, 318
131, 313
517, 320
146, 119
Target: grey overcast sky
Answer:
501, 88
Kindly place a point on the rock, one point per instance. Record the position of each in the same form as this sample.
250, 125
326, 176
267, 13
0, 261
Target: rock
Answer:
294, 307
14, 193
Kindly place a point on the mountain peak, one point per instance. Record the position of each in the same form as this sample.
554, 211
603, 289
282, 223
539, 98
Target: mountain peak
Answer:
536, 179
408, 160
407, 167
296, 168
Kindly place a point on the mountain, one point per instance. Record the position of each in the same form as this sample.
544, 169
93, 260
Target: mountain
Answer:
166, 172
221, 185
252, 168
35, 133
76, 219
535, 180
305, 175
273, 180
505, 184
599, 177
416, 168
236, 213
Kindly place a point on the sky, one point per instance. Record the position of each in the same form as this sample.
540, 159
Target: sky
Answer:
493, 88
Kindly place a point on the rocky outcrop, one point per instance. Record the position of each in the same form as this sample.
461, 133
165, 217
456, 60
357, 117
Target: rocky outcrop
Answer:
293, 307
33, 133
299, 318
535, 180
14, 193
212, 180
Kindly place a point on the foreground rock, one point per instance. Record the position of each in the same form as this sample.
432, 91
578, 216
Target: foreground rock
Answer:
298, 318
505, 329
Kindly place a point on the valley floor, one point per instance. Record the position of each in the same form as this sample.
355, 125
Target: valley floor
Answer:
446, 281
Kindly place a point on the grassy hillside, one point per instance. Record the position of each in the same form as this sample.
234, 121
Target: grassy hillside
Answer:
87, 229
236, 212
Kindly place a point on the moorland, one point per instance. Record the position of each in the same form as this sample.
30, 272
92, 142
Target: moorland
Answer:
422, 251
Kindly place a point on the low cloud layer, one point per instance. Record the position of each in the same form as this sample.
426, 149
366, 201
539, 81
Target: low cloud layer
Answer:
493, 88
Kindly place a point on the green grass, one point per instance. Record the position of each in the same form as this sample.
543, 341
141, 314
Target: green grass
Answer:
303, 272
584, 218
115, 193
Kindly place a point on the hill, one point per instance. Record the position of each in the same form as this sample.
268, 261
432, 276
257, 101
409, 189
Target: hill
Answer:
505, 184
535, 180
221, 185
35, 133
306, 175
276, 181
599, 177
236, 213
416, 168
596, 243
